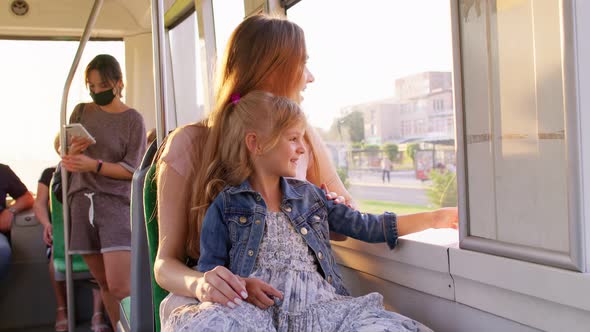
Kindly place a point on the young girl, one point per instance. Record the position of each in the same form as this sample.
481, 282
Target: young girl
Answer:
273, 230
100, 183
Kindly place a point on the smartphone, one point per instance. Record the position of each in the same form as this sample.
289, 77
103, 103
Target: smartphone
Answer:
78, 130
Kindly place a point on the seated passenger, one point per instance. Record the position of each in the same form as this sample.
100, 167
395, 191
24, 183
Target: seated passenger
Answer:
41, 209
11, 185
273, 231
265, 54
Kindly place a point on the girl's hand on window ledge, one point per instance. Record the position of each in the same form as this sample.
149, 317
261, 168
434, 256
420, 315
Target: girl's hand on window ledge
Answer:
445, 218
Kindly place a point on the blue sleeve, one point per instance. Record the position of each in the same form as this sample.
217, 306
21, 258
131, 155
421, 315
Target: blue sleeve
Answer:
361, 226
215, 241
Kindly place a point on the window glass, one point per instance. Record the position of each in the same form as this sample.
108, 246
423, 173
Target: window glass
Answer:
32, 86
186, 71
382, 98
228, 14
515, 122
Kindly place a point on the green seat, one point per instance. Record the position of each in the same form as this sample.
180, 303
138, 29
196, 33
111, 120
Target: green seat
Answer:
136, 310
151, 223
79, 267
124, 318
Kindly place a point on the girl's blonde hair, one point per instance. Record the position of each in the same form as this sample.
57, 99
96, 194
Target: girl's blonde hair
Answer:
226, 158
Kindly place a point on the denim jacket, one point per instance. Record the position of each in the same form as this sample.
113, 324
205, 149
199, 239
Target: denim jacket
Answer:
234, 226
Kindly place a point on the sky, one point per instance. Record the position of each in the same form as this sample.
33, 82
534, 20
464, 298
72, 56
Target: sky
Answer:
356, 51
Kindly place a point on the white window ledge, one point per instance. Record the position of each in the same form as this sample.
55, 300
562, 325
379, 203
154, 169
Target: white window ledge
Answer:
543, 297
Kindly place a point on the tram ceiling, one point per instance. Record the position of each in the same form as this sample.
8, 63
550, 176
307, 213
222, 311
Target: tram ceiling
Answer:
67, 18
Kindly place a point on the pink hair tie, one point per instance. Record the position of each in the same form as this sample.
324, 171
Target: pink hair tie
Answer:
235, 97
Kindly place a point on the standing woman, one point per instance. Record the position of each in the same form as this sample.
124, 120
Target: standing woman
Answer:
100, 183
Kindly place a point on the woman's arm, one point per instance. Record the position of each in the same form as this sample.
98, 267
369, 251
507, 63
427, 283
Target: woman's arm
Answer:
327, 174
83, 163
218, 285
324, 175
42, 212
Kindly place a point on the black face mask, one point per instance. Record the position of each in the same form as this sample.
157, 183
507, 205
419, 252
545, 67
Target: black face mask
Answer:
103, 98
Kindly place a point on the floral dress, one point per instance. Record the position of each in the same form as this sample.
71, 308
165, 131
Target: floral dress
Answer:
309, 302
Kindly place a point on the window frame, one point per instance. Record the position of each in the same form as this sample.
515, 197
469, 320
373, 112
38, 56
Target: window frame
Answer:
574, 258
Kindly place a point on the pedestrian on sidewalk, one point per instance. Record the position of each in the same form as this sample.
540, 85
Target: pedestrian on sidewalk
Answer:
387, 167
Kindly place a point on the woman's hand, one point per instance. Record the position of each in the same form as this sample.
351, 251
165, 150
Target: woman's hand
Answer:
79, 163
220, 285
78, 145
446, 218
337, 200
48, 234
260, 293
330, 195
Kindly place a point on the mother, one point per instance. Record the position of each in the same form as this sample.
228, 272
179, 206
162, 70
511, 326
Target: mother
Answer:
263, 53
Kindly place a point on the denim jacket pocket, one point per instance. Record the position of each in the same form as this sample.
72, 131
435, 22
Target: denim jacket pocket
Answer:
239, 226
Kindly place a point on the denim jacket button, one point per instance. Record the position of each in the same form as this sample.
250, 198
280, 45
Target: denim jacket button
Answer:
316, 217
320, 255
330, 279
258, 198
250, 253
243, 220
288, 209
303, 230
257, 222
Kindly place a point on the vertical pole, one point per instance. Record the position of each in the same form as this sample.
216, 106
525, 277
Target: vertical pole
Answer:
159, 48
64, 174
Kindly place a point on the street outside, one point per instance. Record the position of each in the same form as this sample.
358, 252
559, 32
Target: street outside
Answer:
403, 187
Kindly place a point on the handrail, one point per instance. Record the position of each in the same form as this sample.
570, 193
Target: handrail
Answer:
64, 174
159, 47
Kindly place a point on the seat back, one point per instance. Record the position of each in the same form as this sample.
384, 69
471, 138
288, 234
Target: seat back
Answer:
139, 313
151, 224
79, 267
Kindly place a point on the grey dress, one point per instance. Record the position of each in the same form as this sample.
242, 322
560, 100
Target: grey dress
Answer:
309, 302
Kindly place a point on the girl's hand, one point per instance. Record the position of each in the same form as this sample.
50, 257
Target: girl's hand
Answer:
220, 285
78, 145
79, 163
446, 218
48, 234
260, 293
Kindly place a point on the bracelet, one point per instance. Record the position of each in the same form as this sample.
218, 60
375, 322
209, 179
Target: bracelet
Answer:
99, 166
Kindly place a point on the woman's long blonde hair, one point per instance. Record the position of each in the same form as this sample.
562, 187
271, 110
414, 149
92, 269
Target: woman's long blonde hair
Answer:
263, 53
229, 161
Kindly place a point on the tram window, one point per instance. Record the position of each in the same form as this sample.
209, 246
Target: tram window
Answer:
521, 151
32, 88
383, 92
186, 72
228, 14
